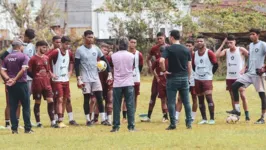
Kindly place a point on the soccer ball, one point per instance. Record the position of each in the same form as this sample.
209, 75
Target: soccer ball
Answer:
101, 65
232, 119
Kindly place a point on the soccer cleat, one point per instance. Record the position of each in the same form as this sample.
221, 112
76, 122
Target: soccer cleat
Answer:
234, 112
146, 119
132, 130
89, 123
260, 121
192, 121
114, 130
39, 125
189, 126
211, 122
108, 123
61, 125
73, 123
171, 127
203, 122
165, 120
14, 131
54, 125
29, 131
247, 119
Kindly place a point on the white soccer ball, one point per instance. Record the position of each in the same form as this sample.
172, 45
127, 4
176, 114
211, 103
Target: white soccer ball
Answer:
101, 65
232, 119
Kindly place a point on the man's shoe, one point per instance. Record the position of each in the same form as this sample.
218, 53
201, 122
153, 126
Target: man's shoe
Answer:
234, 112
260, 121
189, 126
165, 120
114, 130
211, 122
8, 127
203, 122
171, 127
54, 125
89, 123
61, 125
29, 131
39, 125
146, 119
73, 123
247, 119
108, 123
14, 131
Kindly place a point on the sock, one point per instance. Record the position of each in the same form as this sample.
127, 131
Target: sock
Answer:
202, 107
237, 107
102, 116
56, 117
211, 105
106, 116
149, 114
194, 115
124, 114
36, 110
53, 122
7, 123
50, 109
70, 116
88, 117
165, 115
92, 116
177, 115
109, 118
247, 114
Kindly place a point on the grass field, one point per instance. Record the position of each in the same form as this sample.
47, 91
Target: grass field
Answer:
149, 135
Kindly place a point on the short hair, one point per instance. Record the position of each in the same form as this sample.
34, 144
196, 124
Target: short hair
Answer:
56, 38
65, 39
160, 34
175, 34
41, 43
190, 42
231, 37
200, 36
132, 38
104, 45
257, 31
30, 33
88, 32
122, 43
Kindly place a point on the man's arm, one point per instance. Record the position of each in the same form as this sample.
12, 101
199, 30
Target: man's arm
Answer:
244, 51
189, 68
4, 71
162, 59
71, 63
213, 60
140, 61
23, 69
29, 72
220, 52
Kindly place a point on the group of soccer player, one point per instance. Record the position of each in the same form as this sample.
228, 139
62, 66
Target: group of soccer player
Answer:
49, 71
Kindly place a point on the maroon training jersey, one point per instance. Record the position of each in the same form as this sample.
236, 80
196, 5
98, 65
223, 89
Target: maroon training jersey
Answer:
39, 66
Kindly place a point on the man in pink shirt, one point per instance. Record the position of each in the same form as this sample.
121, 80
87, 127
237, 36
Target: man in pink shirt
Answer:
123, 62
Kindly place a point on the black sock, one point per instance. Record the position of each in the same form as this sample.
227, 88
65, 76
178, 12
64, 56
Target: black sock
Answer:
235, 88
36, 110
7, 123
263, 100
149, 114
202, 107
165, 115
124, 114
50, 109
211, 105
86, 104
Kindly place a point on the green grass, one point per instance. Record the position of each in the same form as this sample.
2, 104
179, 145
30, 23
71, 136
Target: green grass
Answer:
150, 135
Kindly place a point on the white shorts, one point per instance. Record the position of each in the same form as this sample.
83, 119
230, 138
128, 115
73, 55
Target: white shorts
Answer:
90, 87
257, 81
29, 83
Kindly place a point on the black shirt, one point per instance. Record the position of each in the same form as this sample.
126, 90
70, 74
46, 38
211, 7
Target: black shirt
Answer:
178, 57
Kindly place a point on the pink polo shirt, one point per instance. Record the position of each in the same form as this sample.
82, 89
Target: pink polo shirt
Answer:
123, 62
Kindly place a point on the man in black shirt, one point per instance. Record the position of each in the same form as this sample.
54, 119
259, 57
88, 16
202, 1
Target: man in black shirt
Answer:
178, 73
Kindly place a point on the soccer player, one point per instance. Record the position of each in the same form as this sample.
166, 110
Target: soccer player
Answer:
123, 62
253, 75
190, 47
14, 73
161, 80
177, 73
235, 63
138, 65
107, 87
39, 70
87, 74
62, 61
154, 54
205, 65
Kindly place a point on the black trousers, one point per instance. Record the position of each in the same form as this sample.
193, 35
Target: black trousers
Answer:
19, 92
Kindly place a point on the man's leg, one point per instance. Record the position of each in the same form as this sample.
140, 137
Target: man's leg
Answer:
258, 83
117, 95
13, 103
245, 102
98, 95
194, 103
124, 112
209, 99
129, 95
36, 111
109, 105
184, 95
171, 103
202, 107
235, 89
25, 102
154, 93
7, 110
86, 108
178, 108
